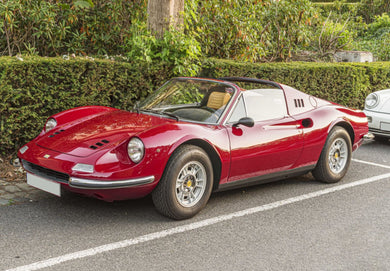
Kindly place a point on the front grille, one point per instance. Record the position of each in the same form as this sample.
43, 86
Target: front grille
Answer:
45, 172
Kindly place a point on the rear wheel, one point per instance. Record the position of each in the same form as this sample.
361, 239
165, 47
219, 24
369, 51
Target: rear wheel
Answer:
186, 184
335, 157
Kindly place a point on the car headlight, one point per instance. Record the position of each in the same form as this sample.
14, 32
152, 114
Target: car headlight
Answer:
372, 100
135, 149
50, 124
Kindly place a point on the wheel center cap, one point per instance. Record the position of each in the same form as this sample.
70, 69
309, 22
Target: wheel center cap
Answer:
189, 181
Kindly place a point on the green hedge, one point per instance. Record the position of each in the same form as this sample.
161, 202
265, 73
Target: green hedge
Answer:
33, 89
344, 83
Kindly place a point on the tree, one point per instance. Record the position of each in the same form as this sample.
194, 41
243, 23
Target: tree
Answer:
162, 14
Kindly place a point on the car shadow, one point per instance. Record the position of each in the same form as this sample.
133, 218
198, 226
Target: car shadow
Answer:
86, 211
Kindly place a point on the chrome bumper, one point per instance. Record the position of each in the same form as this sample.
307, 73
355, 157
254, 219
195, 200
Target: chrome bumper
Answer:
368, 136
98, 184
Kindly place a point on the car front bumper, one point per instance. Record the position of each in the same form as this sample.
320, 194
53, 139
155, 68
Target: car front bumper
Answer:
104, 189
99, 184
378, 123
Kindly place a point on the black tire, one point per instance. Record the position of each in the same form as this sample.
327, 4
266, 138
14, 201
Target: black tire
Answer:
175, 202
334, 159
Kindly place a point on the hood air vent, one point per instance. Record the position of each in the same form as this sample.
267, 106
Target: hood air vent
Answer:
57, 133
99, 144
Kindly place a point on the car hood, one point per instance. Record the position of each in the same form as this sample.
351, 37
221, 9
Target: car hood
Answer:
88, 135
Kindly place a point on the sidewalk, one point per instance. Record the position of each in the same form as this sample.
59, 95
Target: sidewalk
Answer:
13, 185
16, 192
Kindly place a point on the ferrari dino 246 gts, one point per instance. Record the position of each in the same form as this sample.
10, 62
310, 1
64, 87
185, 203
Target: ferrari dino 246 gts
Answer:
191, 137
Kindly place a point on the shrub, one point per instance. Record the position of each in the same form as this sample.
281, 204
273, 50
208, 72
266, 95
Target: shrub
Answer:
375, 38
333, 36
344, 83
36, 88
368, 9
180, 50
379, 26
51, 28
250, 30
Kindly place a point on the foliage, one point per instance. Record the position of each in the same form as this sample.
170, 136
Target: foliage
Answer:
227, 29
378, 46
51, 28
375, 37
36, 88
344, 83
338, 7
179, 50
368, 9
333, 36
289, 28
379, 26
250, 30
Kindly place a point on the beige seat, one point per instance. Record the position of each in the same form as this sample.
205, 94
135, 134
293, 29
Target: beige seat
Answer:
218, 99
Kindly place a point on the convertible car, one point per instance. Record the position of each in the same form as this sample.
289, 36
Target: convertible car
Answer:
191, 137
377, 109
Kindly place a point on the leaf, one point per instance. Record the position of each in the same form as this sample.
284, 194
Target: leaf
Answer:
83, 4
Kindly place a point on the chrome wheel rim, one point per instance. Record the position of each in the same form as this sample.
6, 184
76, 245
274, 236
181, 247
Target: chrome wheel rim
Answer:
338, 155
191, 184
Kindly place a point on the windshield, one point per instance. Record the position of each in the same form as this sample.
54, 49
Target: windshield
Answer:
190, 99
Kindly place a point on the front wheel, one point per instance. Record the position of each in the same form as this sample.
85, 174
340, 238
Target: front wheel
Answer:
335, 157
186, 184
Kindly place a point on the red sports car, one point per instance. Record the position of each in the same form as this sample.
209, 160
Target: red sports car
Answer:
191, 137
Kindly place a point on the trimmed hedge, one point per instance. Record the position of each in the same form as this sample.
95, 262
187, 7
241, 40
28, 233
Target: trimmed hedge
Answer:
33, 89
344, 83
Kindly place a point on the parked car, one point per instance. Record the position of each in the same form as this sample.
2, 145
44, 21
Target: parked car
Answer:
377, 109
191, 137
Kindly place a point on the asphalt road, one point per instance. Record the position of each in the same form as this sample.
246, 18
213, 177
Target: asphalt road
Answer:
297, 224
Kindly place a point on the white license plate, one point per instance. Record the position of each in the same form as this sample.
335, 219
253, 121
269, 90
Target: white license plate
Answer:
385, 126
44, 184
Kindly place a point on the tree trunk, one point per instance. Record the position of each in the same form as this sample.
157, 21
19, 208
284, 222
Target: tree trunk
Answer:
164, 13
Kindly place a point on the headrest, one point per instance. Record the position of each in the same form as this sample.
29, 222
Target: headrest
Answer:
218, 99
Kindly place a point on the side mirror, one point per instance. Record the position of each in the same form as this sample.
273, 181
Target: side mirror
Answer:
248, 122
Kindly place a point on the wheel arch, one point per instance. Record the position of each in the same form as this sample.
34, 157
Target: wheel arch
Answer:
213, 155
347, 126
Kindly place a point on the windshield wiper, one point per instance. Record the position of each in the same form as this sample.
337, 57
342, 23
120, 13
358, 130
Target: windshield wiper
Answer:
161, 113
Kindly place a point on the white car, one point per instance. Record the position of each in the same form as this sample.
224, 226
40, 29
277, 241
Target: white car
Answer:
377, 109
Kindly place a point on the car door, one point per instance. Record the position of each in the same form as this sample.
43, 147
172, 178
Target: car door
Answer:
272, 145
